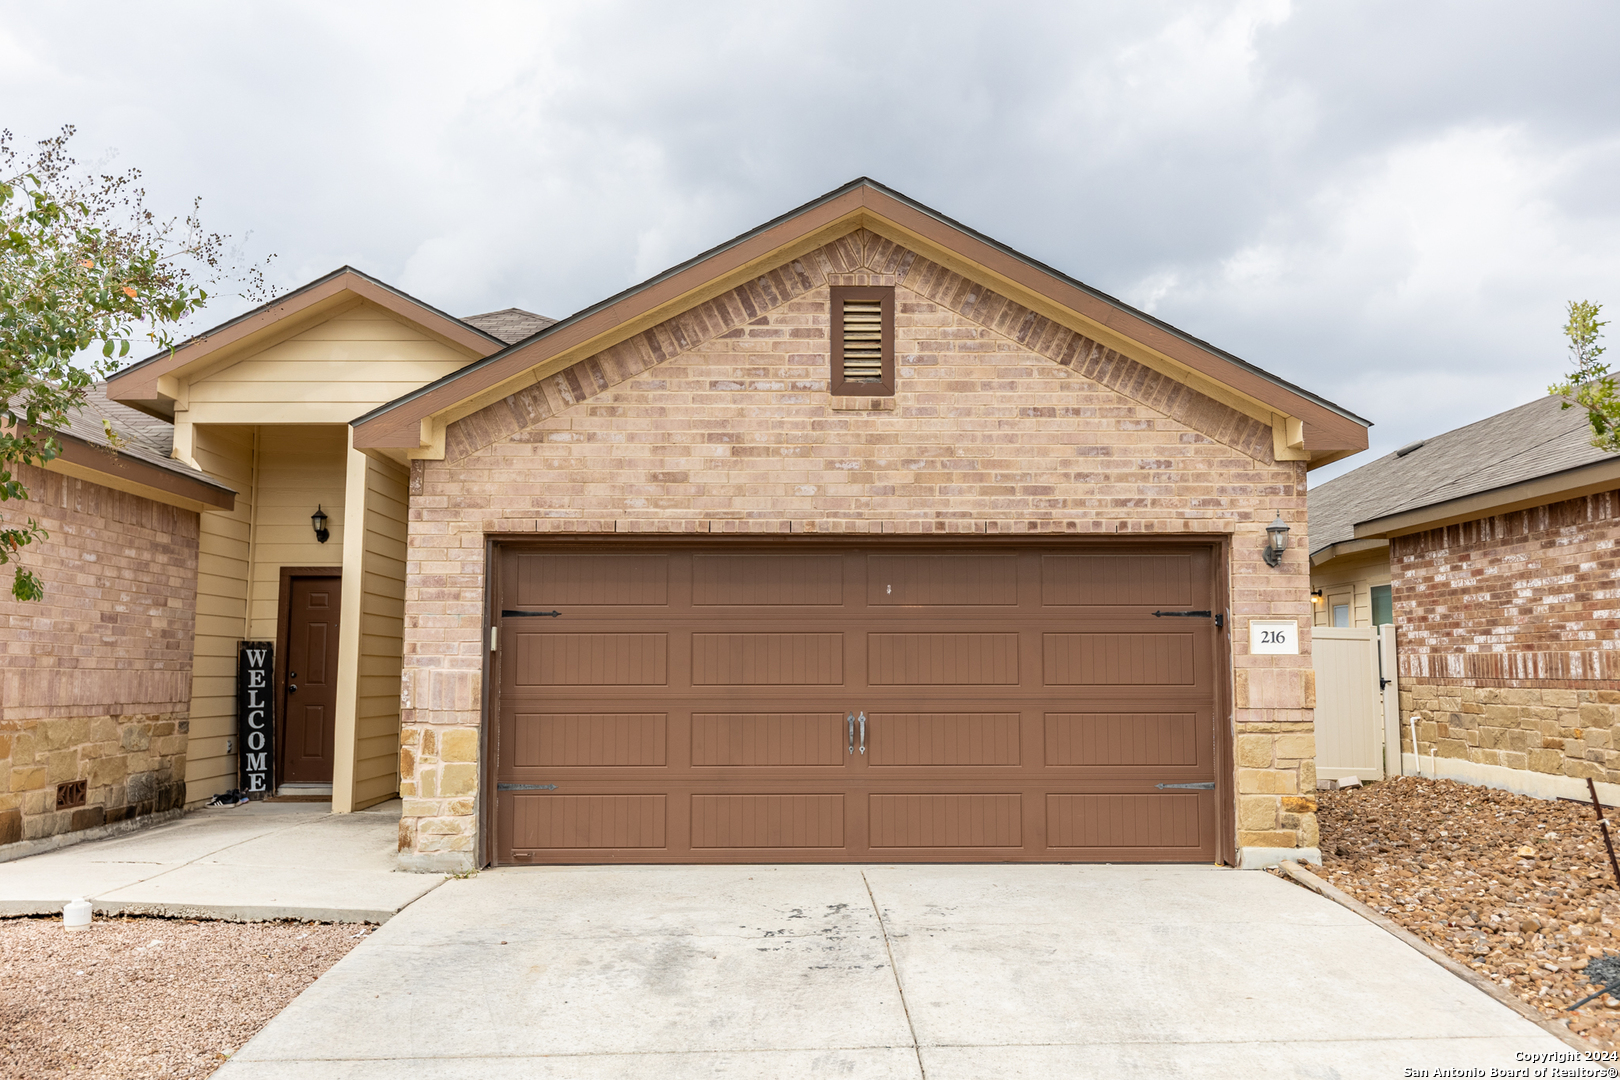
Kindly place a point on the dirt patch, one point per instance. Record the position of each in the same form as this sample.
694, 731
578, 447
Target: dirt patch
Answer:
1519, 889
137, 998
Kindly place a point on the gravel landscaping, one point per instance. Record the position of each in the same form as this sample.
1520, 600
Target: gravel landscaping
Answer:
1519, 889
127, 999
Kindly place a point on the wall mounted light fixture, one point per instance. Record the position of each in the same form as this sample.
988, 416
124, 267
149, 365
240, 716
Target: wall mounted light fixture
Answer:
1276, 541
1316, 596
318, 519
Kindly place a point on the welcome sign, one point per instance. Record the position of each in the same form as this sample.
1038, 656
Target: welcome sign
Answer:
255, 725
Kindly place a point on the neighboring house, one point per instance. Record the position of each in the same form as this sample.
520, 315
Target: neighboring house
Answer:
1496, 542
858, 537
96, 678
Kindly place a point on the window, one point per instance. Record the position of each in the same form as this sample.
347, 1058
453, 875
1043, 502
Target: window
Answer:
1383, 606
1341, 614
862, 341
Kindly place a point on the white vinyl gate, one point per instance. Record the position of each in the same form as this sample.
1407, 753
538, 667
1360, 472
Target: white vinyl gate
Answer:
1357, 703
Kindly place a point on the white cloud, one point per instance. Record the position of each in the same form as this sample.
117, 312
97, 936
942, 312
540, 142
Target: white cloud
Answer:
1386, 203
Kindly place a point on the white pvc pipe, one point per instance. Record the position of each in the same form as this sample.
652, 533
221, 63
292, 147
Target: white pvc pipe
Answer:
1416, 755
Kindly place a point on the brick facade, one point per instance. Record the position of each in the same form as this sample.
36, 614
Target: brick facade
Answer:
96, 678
1508, 644
720, 421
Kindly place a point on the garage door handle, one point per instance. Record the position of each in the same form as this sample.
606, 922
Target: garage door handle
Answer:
863, 732
849, 734
1210, 786
509, 614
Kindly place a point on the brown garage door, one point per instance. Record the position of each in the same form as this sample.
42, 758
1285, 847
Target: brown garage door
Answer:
818, 701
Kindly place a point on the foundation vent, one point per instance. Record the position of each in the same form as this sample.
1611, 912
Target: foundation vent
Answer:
70, 794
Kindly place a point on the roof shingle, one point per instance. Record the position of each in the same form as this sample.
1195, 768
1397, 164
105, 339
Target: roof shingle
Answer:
1533, 440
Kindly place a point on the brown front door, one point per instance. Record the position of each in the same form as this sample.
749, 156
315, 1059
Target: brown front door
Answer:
827, 701
309, 698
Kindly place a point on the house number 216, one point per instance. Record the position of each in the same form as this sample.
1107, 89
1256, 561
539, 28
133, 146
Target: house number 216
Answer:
1274, 636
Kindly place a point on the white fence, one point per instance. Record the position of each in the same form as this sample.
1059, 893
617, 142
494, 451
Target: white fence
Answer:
1357, 703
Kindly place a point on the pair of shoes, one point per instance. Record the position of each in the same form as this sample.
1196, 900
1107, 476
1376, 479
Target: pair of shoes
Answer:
232, 797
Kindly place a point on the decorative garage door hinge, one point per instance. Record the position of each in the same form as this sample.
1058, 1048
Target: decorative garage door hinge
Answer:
544, 787
1219, 616
1207, 786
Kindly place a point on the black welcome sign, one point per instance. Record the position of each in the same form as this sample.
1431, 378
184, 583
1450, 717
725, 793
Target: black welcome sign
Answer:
255, 726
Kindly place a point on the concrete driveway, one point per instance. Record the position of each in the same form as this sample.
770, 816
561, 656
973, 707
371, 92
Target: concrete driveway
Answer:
948, 972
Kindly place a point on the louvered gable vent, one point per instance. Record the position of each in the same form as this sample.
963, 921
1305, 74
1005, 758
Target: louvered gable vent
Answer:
863, 340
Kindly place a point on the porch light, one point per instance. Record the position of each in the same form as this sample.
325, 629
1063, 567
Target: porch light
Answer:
1316, 596
1276, 541
322, 535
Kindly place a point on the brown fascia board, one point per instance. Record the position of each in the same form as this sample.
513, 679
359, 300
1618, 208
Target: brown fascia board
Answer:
137, 385
397, 425
1346, 547
1570, 484
189, 489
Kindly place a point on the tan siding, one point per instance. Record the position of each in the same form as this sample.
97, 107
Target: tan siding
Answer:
362, 357
376, 767
222, 563
1352, 577
300, 467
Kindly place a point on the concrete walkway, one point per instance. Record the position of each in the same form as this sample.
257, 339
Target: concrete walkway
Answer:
259, 861
953, 972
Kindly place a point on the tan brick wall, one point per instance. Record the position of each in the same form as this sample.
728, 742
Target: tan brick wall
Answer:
1508, 651
720, 421
95, 679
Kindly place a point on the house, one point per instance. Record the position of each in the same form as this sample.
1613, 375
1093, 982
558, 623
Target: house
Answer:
96, 677
861, 536
1496, 545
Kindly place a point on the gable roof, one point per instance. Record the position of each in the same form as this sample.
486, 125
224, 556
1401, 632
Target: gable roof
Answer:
138, 386
509, 324
1326, 430
1532, 452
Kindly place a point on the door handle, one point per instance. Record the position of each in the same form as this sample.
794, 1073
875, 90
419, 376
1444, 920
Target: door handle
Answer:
863, 732
291, 688
849, 735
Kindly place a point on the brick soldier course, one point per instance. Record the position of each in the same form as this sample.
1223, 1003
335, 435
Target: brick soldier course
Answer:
719, 420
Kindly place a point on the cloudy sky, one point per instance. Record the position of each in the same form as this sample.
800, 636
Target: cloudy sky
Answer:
1386, 202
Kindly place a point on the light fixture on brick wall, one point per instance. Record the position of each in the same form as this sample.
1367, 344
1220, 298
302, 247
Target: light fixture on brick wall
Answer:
1276, 541
318, 519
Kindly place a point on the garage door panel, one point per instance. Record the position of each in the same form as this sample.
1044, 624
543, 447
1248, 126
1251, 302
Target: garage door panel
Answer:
689, 702
1122, 738
941, 580
952, 820
570, 822
1118, 659
768, 821
592, 580
767, 659
768, 580
898, 739
1125, 821
1117, 580
587, 740
570, 659
765, 740
924, 659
